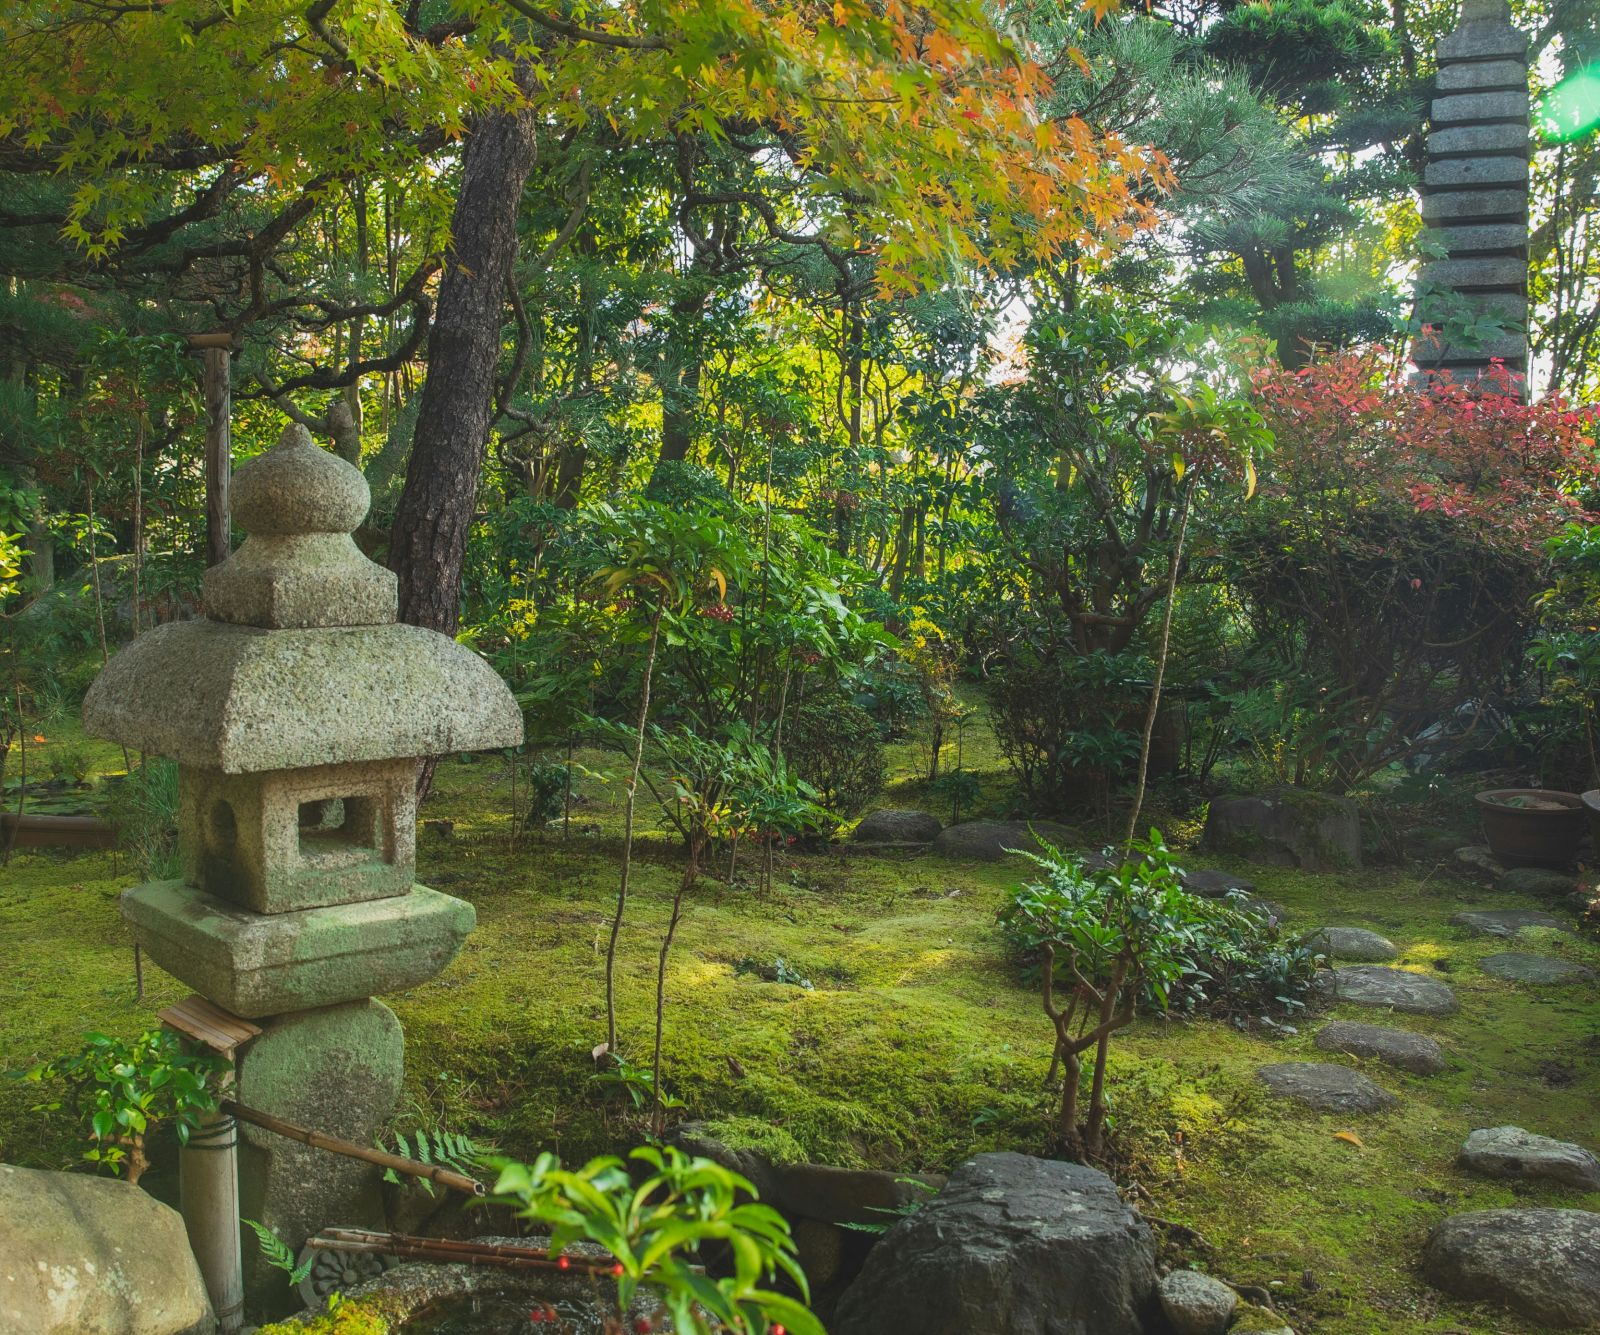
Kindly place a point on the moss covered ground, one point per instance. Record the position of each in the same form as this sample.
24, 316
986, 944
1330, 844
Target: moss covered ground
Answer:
914, 1046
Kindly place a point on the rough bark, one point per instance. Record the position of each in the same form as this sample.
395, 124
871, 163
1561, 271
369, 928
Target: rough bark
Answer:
435, 512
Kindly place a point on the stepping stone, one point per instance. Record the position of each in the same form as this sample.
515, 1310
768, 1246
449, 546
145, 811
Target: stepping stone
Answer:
1476, 861
1352, 943
1416, 1053
1213, 884
1540, 882
1265, 908
1325, 1086
1504, 922
1544, 1264
1509, 1151
1196, 1304
1518, 966
1396, 989
897, 828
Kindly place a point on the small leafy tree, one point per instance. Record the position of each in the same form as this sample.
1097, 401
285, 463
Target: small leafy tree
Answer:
119, 1089
656, 1229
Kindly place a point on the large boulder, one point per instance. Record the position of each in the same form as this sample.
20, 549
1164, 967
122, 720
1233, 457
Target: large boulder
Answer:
1013, 1246
1288, 828
991, 840
1543, 1264
93, 1256
897, 828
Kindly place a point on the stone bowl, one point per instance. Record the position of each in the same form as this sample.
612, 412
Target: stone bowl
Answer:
1591, 808
435, 1298
1542, 835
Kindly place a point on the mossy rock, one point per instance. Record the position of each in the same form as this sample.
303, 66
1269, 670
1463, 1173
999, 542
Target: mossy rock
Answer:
1288, 828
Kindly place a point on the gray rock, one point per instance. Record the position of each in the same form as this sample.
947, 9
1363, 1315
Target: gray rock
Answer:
1214, 884
1196, 1304
93, 1256
1503, 922
1543, 1264
1518, 966
1325, 1086
1352, 943
1416, 1053
1539, 882
1477, 862
888, 826
1012, 1246
990, 840
1509, 1151
1312, 831
1395, 989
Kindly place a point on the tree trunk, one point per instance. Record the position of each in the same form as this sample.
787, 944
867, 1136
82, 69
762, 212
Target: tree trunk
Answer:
453, 421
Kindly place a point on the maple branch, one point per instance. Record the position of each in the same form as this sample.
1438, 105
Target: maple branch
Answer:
567, 28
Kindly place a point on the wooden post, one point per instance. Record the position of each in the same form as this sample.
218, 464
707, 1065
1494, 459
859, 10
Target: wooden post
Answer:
217, 350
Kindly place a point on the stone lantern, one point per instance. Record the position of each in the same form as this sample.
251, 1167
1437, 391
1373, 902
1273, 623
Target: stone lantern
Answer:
296, 713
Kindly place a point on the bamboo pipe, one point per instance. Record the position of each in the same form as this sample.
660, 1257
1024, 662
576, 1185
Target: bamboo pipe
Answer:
445, 1249
382, 1158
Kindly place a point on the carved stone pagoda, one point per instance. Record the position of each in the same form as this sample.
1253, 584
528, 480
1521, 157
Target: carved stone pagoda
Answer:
1475, 198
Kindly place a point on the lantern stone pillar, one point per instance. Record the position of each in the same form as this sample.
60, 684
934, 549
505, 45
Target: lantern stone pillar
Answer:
296, 712
1475, 198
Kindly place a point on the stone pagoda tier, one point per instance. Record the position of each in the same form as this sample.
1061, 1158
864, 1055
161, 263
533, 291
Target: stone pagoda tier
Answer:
1475, 196
297, 712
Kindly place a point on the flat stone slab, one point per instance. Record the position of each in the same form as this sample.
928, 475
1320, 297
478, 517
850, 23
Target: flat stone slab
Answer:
1540, 882
1213, 884
1518, 966
1395, 989
991, 840
1504, 922
1325, 1086
1352, 943
1544, 1264
1509, 1151
1416, 1053
257, 964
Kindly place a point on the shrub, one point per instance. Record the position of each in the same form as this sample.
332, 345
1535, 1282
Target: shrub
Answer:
1067, 723
1390, 563
833, 745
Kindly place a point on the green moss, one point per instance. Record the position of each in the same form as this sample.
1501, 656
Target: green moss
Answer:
348, 1318
933, 1051
748, 1133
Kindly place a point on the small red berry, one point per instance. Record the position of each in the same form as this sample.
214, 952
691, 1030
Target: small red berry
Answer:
562, 1263
777, 1329
617, 1269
